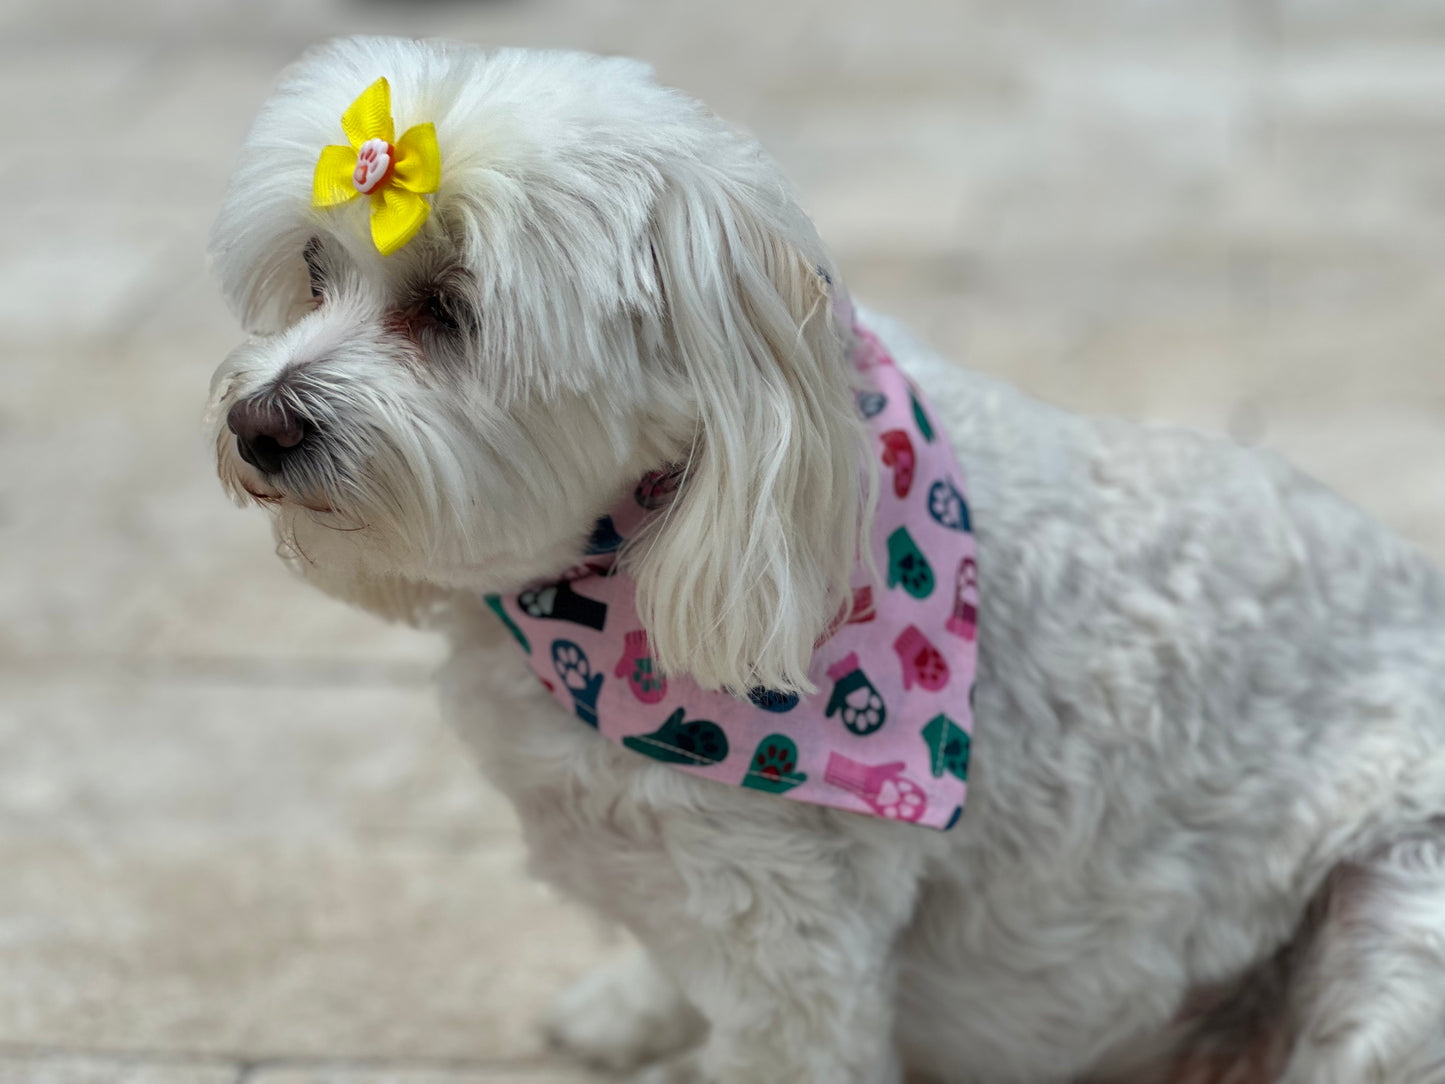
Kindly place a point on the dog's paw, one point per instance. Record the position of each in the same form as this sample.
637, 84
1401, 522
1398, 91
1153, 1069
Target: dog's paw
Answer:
623, 1016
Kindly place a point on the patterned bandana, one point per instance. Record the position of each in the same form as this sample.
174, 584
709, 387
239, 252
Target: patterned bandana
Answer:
887, 733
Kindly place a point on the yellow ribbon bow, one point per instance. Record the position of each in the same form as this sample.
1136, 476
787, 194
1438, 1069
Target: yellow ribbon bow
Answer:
396, 173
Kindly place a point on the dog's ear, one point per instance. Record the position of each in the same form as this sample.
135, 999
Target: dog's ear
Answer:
738, 579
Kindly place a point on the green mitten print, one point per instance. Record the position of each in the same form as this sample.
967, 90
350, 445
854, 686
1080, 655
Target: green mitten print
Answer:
676, 742
948, 746
494, 603
908, 566
774, 767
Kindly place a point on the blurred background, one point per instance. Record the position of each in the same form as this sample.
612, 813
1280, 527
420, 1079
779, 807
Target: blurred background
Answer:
236, 843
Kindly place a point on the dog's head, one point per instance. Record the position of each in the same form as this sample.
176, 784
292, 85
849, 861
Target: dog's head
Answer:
611, 281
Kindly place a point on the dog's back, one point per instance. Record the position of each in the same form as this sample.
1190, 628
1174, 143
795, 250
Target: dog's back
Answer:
1209, 758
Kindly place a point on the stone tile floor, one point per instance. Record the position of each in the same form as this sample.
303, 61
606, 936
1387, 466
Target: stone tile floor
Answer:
236, 842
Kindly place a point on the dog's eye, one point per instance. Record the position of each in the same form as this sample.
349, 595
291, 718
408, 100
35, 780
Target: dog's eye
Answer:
439, 310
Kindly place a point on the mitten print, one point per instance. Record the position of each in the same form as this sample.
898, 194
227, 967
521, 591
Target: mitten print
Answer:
494, 603
862, 609
699, 742
772, 700
923, 664
948, 747
885, 788
636, 666
920, 418
855, 697
605, 538
898, 454
571, 664
774, 767
871, 403
908, 566
964, 621
558, 602
947, 506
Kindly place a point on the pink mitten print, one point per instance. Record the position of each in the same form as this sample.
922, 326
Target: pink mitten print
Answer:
898, 454
885, 788
923, 664
964, 621
636, 666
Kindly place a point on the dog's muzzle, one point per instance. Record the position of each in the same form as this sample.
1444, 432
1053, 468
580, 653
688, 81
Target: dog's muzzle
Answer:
267, 432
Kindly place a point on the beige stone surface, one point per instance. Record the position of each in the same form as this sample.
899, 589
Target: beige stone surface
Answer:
73, 1069
403, 1074
238, 843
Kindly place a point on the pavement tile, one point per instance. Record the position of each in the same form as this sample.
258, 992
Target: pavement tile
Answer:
280, 949
401, 1074
112, 442
73, 1069
162, 762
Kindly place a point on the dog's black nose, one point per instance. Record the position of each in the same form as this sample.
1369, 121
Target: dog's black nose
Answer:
266, 432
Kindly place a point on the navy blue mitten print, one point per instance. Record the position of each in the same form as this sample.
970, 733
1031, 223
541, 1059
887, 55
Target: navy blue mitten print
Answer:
605, 538
947, 506
576, 672
871, 403
772, 700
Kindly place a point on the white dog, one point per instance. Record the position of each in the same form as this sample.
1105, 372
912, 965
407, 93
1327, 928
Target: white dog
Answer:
1205, 831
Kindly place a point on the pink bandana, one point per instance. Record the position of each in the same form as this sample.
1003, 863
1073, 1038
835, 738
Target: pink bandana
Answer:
888, 731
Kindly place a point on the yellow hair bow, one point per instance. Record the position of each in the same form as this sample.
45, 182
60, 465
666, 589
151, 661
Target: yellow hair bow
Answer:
396, 173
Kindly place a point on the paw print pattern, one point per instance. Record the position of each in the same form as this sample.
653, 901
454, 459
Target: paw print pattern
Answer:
854, 696
699, 742
637, 667
571, 664
898, 454
656, 488
908, 566
948, 747
923, 664
494, 603
871, 403
947, 506
772, 700
774, 767
885, 788
558, 602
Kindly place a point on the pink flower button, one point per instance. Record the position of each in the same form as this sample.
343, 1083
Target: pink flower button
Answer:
373, 165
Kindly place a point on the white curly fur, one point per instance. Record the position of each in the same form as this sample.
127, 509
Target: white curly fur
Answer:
1205, 838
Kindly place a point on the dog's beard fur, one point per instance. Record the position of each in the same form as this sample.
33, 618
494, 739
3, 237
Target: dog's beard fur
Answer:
612, 282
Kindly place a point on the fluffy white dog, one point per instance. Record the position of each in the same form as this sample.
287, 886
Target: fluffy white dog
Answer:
1205, 834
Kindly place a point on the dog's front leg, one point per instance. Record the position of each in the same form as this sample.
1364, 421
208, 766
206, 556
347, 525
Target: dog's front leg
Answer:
785, 944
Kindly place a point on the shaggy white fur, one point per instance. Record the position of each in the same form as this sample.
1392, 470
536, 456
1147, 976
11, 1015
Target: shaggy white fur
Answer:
1205, 838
